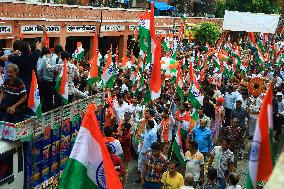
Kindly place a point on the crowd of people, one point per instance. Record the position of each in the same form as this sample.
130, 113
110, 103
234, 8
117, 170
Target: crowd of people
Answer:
215, 131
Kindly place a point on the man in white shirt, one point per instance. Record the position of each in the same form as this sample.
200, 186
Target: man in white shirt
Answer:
120, 108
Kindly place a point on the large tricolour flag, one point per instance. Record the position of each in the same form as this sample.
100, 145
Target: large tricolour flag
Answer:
34, 98
261, 155
89, 165
62, 83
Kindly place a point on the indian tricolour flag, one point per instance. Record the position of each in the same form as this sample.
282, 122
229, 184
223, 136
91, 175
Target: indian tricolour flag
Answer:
177, 147
79, 52
195, 98
144, 32
89, 165
179, 85
62, 83
108, 72
34, 98
94, 71
261, 159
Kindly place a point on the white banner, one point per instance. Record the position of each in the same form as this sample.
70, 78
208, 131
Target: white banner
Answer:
5, 29
250, 22
112, 28
81, 28
29, 29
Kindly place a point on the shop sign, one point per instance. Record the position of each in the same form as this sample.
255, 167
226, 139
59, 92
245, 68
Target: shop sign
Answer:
5, 29
107, 28
81, 28
29, 29
161, 32
133, 27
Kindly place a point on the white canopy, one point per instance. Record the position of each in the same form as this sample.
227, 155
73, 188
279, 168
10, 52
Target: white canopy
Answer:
250, 22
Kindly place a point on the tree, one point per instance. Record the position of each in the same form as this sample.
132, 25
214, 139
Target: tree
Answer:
207, 33
254, 6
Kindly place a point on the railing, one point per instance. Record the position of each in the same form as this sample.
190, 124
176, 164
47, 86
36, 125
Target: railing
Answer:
55, 118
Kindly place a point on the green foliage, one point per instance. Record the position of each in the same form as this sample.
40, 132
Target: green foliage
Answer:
254, 6
207, 33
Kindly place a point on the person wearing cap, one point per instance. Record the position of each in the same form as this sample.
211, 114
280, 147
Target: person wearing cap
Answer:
155, 166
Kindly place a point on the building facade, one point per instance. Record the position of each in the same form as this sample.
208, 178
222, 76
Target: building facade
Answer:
67, 24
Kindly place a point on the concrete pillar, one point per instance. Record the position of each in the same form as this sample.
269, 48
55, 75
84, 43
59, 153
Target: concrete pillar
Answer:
122, 46
61, 40
92, 46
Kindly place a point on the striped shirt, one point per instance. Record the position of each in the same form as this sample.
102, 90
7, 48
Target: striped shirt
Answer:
13, 92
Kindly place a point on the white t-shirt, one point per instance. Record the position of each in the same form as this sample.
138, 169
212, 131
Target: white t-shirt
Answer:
193, 164
120, 110
234, 187
186, 187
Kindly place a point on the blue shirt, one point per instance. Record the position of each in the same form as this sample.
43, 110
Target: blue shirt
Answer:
203, 137
149, 137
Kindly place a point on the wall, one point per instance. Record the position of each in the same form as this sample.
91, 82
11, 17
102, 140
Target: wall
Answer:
15, 17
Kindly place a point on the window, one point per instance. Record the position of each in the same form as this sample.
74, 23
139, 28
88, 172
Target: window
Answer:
6, 167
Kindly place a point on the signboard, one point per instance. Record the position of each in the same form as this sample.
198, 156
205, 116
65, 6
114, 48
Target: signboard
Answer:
30, 29
5, 29
132, 27
107, 28
81, 28
161, 32
250, 22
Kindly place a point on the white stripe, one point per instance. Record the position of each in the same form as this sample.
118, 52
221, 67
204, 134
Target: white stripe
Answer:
270, 116
254, 155
155, 95
108, 73
88, 152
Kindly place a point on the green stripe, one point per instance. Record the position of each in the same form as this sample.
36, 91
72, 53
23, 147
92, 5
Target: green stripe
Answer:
249, 184
195, 103
110, 82
38, 112
180, 93
92, 80
176, 149
75, 176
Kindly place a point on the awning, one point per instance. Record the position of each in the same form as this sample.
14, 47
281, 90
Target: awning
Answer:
163, 6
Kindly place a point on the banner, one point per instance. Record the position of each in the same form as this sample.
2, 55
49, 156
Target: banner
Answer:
250, 22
